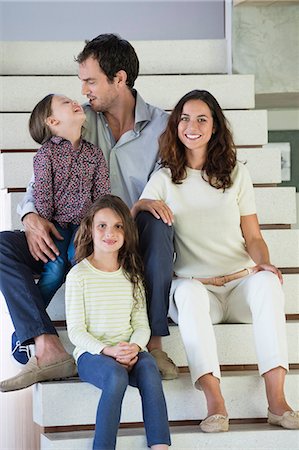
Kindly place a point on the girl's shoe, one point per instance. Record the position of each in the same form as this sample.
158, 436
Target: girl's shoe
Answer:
215, 424
289, 420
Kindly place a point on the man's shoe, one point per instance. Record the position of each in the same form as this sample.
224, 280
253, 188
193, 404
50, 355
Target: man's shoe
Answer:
289, 420
166, 366
215, 424
21, 353
32, 373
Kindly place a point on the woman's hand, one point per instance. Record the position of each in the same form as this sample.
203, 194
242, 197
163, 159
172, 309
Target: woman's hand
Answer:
270, 268
157, 208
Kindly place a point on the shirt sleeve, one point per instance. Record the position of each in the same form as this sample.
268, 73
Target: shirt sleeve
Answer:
101, 185
26, 205
156, 187
75, 316
139, 322
43, 185
246, 198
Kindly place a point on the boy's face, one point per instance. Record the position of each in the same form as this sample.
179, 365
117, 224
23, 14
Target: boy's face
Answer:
67, 111
101, 92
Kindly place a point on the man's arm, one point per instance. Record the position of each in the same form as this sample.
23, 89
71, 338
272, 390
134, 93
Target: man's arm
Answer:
38, 230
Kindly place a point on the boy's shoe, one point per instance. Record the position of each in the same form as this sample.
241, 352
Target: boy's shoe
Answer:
21, 353
166, 366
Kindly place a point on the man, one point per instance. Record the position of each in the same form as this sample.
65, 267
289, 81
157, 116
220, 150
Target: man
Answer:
127, 130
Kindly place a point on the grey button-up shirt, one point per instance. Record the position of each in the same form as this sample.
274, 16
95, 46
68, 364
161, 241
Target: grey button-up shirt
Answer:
131, 160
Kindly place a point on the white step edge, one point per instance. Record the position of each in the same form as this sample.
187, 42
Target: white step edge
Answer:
240, 437
263, 164
248, 127
235, 343
70, 402
21, 94
276, 205
155, 57
283, 247
290, 286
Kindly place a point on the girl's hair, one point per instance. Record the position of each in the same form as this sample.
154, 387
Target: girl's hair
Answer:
221, 152
38, 128
128, 255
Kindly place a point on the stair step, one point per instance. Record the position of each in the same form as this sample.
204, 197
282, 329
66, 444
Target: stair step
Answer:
155, 57
283, 247
20, 94
290, 286
72, 402
16, 167
240, 437
235, 344
249, 128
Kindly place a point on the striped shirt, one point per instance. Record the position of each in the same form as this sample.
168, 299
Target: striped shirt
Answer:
101, 311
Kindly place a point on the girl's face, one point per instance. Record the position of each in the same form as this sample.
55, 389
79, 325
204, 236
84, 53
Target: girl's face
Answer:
107, 231
196, 125
66, 111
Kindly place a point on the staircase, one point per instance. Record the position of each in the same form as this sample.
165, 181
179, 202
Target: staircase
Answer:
64, 412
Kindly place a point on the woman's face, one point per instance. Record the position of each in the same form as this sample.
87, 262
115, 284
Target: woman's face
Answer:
196, 125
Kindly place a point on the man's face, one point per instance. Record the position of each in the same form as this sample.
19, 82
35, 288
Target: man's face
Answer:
101, 92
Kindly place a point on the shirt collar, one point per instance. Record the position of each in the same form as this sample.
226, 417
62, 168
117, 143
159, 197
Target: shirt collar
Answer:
142, 113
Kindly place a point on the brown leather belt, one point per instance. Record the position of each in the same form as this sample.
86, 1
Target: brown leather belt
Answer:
221, 281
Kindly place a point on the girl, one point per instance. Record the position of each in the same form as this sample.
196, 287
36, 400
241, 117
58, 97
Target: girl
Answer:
209, 197
107, 322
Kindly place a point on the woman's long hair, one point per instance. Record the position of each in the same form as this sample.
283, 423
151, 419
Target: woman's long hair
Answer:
221, 152
128, 255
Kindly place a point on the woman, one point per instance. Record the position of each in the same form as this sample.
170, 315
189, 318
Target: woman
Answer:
223, 271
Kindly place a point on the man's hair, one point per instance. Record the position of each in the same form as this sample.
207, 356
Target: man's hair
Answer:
38, 128
113, 54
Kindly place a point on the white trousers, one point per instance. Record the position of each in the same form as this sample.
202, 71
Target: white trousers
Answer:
256, 298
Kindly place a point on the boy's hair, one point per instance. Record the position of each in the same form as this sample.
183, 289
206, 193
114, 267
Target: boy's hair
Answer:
113, 54
128, 256
38, 128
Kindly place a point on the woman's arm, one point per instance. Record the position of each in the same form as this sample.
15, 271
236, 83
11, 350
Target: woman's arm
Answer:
256, 246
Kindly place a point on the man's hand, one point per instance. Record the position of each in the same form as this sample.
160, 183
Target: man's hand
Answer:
38, 236
157, 208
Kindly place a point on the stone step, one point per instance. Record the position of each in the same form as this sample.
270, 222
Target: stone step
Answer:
283, 247
290, 287
257, 436
249, 128
155, 57
264, 164
20, 94
275, 205
72, 402
16, 167
234, 341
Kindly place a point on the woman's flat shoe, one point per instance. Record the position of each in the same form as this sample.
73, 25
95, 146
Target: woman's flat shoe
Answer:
215, 424
289, 420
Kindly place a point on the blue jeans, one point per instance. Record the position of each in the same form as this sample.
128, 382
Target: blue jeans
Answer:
112, 378
54, 272
157, 251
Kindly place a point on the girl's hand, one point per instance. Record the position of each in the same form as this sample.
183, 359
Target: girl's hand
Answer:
124, 353
270, 268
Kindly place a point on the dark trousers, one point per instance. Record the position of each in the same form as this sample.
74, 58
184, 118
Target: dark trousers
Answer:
25, 303
156, 246
27, 307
